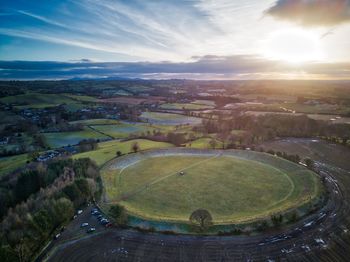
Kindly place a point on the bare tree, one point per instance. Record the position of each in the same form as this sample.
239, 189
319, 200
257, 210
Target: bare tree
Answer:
212, 143
135, 147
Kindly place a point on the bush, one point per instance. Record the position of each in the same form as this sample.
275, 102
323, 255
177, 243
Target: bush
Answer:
118, 213
277, 220
201, 218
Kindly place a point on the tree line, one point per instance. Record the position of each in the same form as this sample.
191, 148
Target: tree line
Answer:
262, 128
42, 200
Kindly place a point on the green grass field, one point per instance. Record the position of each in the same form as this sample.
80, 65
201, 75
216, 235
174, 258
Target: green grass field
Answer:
189, 106
169, 119
204, 102
82, 98
92, 122
11, 163
203, 143
300, 108
7, 117
71, 138
38, 100
124, 130
16, 142
234, 189
107, 150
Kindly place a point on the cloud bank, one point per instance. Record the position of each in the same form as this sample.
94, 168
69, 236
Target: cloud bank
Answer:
205, 67
312, 12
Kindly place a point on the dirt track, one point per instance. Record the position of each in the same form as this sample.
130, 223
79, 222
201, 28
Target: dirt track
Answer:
321, 237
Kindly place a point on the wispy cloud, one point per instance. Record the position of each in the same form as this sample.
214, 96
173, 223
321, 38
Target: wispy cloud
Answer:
172, 30
149, 30
43, 19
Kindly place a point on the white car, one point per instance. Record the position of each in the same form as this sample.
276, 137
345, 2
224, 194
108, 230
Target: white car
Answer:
91, 229
79, 211
84, 225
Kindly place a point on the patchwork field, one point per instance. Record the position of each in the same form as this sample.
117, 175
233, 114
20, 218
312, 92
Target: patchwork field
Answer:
234, 186
169, 119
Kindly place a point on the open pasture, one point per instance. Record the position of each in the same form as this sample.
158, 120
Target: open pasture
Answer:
124, 130
188, 106
92, 122
11, 163
234, 186
38, 100
61, 139
107, 150
169, 119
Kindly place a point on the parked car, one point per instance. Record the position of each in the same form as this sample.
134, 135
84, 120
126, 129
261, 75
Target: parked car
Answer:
96, 213
79, 211
57, 236
91, 229
104, 221
84, 225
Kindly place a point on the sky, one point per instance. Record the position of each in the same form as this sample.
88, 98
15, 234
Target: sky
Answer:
196, 39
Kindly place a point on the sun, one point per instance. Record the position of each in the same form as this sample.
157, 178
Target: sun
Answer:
293, 46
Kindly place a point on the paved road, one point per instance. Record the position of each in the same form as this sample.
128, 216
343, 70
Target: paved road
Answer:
323, 236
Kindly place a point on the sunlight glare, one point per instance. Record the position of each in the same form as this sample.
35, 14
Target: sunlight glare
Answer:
293, 46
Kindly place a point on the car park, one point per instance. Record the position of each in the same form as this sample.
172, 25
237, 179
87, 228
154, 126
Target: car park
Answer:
96, 213
104, 221
91, 229
108, 225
